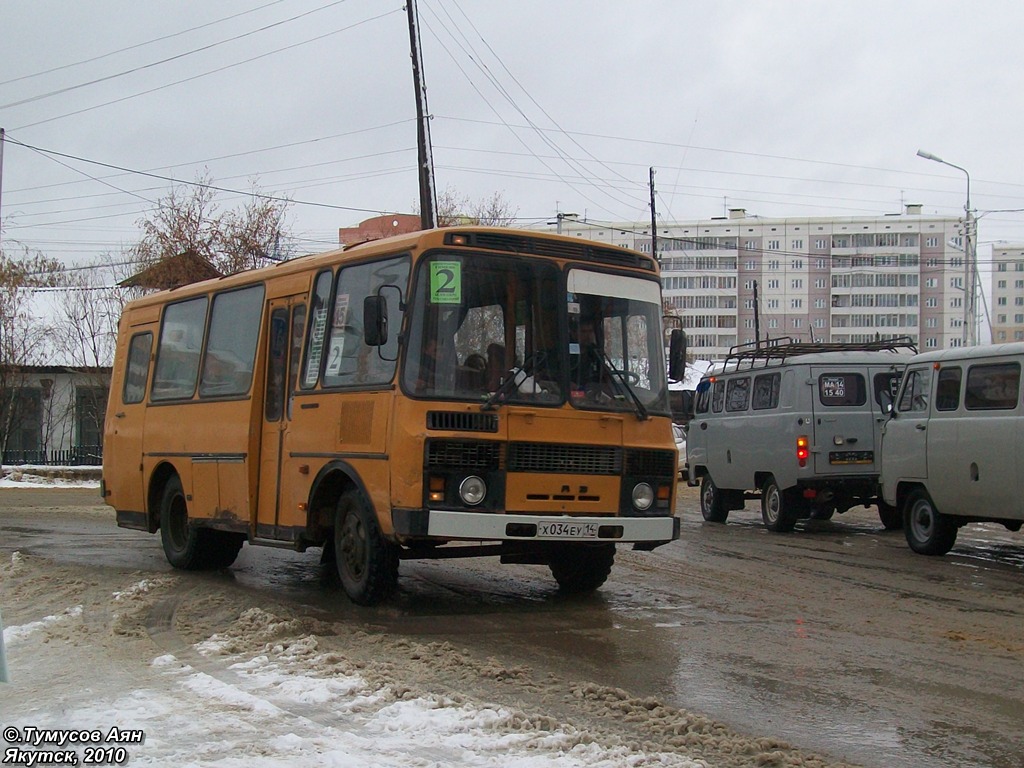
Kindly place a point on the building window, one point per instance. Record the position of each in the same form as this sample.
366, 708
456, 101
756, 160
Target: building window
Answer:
90, 407
24, 424
773, 245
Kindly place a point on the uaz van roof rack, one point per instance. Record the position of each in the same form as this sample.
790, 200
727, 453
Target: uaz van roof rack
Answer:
780, 348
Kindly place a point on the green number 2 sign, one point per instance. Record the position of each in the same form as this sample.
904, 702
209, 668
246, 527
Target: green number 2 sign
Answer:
445, 282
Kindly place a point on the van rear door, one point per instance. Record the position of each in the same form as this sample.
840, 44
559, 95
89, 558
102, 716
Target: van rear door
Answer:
847, 418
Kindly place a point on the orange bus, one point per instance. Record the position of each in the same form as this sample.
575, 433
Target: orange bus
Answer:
452, 393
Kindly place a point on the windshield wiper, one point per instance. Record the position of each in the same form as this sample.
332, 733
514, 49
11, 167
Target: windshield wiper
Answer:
619, 377
511, 381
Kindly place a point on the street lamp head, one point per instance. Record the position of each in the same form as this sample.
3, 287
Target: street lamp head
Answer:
929, 156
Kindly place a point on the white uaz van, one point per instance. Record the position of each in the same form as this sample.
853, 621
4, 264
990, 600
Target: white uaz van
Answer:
796, 425
953, 448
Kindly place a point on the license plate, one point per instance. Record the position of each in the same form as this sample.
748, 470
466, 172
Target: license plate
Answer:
560, 530
851, 457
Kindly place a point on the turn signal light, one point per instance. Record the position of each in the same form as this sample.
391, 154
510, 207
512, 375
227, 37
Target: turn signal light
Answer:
803, 450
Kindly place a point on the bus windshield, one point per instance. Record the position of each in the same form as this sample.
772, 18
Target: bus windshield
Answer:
517, 330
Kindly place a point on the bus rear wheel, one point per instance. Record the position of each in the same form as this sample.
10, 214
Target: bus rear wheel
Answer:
187, 546
779, 509
367, 563
580, 568
928, 531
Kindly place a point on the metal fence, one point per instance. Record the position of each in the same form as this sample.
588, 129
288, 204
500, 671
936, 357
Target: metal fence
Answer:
80, 456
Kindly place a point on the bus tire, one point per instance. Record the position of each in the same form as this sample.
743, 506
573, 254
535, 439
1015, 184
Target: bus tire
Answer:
580, 568
222, 548
779, 509
367, 563
928, 531
712, 502
184, 544
891, 517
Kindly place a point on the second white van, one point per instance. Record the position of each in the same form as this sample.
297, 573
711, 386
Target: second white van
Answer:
953, 448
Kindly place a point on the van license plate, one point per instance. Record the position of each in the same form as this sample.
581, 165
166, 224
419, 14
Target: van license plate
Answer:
561, 530
851, 457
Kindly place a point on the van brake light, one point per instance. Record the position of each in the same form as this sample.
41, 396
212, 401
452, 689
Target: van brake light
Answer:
802, 450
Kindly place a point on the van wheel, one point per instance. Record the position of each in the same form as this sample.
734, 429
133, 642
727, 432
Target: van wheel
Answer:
712, 503
779, 509
580, 568
928, 531
891, 517
367, 563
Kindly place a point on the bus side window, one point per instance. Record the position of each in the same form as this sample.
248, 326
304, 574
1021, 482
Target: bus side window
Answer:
317, 329
137, 373
177, 357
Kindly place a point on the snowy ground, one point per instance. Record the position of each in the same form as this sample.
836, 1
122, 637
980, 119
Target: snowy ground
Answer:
159, 669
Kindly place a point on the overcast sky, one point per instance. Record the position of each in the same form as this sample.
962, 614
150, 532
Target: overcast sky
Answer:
795, 108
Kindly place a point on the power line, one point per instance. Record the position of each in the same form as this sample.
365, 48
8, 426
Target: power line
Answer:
137, 45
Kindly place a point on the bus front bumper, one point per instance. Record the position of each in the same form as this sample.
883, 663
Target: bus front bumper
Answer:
490, 526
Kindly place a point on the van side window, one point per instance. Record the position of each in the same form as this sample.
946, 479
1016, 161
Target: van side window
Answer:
717, 395
737, 394
947, 389
992, 387
888, 382
839, 389
703, 397
915, 390
766, 391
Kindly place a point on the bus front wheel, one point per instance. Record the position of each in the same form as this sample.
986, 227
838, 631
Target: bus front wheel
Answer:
367, 563
581, 568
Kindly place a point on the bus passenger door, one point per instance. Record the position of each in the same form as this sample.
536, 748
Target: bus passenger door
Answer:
287, 318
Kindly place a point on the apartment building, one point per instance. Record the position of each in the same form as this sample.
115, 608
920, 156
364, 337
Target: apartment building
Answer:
739, 278
1007, 311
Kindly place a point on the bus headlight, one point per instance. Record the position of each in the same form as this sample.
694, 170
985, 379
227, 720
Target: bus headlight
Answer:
472, 490
643, 496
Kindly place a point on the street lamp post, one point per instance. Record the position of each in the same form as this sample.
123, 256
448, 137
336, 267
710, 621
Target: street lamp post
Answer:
970, 336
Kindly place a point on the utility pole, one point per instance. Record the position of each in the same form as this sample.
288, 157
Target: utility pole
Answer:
757, 319
1, 185
428, 198
654, 224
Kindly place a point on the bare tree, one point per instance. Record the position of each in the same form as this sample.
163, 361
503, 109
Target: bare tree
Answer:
24, 342
454, 210
187, 220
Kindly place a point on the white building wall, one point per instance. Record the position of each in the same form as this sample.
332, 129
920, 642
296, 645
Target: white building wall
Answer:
826, 279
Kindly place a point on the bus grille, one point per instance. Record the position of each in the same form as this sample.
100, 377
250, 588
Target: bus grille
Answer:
564, 459
650, 463
462, 422
478, 456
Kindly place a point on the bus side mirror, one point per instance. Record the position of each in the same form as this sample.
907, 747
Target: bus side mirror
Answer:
375, 321
677, 355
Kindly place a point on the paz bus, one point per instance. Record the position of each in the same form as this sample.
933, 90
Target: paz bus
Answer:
456, 392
